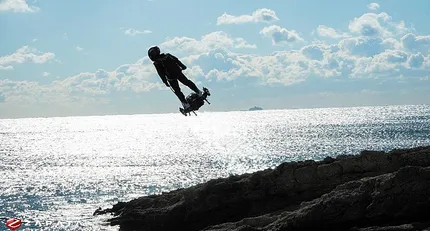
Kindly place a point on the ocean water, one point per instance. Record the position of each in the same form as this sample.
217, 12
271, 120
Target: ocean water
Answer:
57, 171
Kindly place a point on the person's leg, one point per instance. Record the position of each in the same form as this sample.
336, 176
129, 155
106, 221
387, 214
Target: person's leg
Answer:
175, 86
184, 80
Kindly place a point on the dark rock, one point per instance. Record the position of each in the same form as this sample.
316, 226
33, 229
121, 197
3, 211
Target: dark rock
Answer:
370, 191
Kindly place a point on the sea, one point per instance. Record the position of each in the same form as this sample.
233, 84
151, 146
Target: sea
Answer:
55, 172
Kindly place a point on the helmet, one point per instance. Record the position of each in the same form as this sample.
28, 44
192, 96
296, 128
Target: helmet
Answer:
153, 53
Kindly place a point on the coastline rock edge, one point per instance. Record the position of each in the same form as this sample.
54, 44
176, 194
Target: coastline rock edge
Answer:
370, 191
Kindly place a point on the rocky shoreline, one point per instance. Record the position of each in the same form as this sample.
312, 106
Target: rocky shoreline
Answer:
368, 192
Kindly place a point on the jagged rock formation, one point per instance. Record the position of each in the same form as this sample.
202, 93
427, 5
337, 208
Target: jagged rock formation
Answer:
370, 191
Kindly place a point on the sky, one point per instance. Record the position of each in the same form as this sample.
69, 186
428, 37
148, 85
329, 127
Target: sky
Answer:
74, 58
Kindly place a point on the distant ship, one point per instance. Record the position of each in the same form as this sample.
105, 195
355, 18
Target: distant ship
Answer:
255, 108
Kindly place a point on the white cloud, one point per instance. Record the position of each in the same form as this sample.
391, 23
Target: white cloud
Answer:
17, 6
377, 25
194, 72
133, 32
6, 68
282, 67
280, 35
212, 41
45, 74
25, 54
363, 46
260, 15
242, 43
373, 6
84, 87
78, 48
387, 63
413, 42
416, 60
329, 32
381, 63
130, 77
313, 52
355, 57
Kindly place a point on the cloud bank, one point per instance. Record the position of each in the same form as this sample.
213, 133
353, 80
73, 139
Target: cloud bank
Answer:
259, 16
373, 46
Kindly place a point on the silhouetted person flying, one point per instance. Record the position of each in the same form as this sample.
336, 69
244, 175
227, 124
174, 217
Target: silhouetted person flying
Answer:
170, 68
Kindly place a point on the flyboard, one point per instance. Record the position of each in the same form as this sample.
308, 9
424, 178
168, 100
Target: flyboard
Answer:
195, 102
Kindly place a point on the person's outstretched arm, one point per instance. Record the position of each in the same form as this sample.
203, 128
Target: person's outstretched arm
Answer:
160, 70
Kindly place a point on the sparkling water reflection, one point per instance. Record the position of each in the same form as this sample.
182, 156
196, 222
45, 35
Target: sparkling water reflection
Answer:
62, 169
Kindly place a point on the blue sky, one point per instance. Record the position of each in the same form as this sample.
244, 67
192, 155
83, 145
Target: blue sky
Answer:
81, 57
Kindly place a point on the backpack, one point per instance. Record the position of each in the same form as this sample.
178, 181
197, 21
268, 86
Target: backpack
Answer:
170, 65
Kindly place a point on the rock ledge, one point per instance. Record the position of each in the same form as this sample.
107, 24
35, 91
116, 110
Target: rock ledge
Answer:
366, 192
